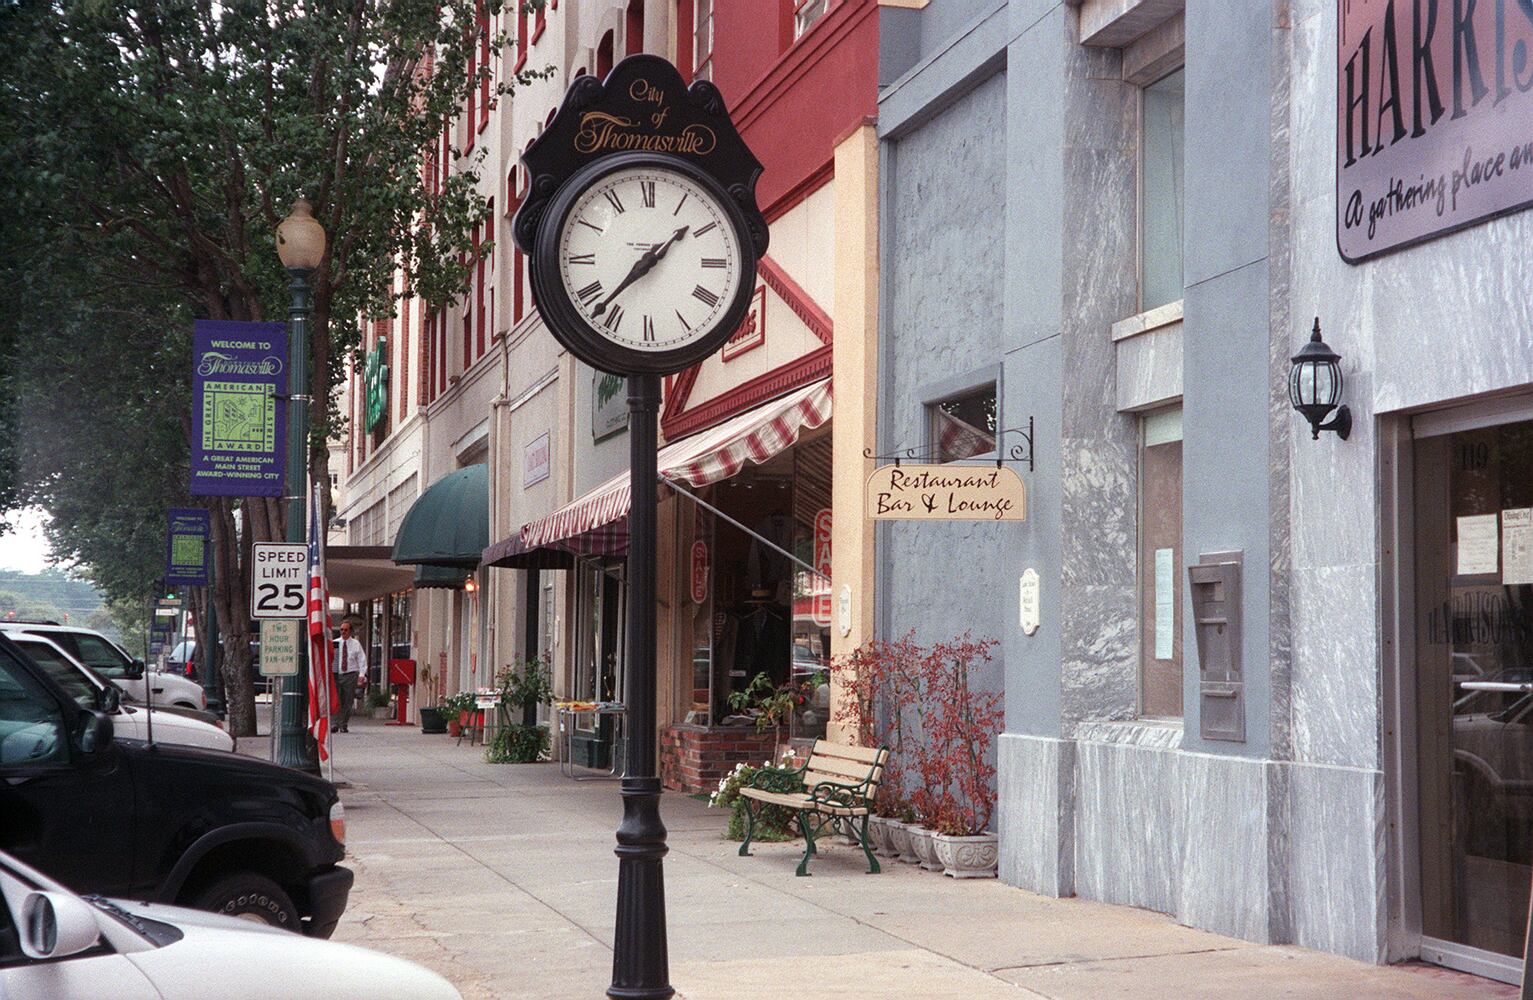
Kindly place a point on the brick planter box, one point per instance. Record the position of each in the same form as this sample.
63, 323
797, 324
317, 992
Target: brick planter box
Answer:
693, 758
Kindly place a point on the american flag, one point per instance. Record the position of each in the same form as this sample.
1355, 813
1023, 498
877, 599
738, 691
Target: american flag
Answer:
321, 691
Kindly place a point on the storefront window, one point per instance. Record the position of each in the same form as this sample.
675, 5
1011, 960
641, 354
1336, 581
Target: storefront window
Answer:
1473, 511
699, 616
1160, 564
964, 426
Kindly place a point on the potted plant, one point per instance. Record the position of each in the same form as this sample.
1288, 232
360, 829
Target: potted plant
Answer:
773, 823
377, 703
432, 720
963, 724
524, 689
881, 707
771, 704
454, 710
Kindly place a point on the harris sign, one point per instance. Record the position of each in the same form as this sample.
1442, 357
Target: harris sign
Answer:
1434, 118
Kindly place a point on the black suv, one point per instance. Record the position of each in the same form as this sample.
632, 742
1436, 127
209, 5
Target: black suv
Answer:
165, 823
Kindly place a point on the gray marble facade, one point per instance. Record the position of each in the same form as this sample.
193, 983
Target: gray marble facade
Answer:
1285, 837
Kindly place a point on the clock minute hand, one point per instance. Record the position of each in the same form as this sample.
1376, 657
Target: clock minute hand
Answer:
641, 267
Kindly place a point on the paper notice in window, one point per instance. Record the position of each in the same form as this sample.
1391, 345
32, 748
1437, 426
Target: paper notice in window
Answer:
1517, 546
1165, 602
1477, 544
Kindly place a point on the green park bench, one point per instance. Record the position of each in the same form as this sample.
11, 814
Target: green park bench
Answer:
836, 785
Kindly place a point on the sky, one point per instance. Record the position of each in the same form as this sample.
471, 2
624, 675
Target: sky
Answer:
23, 546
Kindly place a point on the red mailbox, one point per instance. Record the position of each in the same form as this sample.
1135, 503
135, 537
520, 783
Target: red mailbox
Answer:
402, 676
402, 672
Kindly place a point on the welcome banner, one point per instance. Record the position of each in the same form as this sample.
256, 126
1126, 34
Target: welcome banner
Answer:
238, 428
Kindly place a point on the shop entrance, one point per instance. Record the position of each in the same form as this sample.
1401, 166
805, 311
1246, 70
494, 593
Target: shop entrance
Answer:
600, 614
1473, 642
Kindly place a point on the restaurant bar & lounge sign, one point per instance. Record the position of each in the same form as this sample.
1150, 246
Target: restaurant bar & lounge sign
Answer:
1434, 118
945, 493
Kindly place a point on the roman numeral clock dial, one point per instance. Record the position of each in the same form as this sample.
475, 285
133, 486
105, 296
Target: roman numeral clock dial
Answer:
651, 258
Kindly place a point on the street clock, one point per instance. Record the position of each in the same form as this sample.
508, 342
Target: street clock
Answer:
641, 221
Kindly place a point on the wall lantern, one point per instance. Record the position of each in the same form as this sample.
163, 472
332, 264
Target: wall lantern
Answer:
1314, 387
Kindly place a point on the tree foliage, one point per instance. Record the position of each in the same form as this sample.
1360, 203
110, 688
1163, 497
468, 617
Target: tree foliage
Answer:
147, 152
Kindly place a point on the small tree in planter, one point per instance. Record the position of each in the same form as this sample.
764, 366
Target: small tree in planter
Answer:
879, 683
961, 723
525, 689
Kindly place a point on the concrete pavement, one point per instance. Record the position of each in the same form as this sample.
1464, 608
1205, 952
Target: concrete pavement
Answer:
502, 878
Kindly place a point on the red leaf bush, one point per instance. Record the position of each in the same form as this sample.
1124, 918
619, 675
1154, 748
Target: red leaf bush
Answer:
921, 703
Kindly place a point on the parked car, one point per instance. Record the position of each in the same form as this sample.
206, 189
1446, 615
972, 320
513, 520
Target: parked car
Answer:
108, 659
170, 824
54, 943
184, 661
130, 721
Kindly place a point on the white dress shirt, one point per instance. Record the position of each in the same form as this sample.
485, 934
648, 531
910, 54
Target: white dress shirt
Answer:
352, 659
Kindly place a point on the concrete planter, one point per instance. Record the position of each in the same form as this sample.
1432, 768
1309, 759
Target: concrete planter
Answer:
967, 857
878, 834
899, 843
921, 841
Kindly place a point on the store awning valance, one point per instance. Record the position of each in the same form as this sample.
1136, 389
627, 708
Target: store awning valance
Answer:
429, 575
706, 457
449, 524
362, 572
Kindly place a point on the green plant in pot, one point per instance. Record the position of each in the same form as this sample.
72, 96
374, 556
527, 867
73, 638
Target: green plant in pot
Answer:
772, 704
453, 708
773, 823
525, 688
516, 744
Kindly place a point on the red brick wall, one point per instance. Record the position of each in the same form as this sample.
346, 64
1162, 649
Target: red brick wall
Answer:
693, 760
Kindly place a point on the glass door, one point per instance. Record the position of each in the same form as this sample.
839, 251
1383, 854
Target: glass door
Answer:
1474, 665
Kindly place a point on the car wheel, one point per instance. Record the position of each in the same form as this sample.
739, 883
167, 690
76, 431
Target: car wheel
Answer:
250, 897
186, 704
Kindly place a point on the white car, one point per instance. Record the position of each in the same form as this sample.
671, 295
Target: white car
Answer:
129, 721
106, 658
55, 945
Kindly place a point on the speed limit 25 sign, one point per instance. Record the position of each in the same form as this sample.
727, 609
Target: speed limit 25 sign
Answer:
279, 580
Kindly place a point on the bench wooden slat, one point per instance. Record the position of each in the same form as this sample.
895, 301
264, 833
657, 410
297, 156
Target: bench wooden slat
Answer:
812, 778
868, 755
831, 765
795, 800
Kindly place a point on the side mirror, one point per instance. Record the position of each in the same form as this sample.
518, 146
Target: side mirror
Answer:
111, 699
95, 732
56, 925
135, 670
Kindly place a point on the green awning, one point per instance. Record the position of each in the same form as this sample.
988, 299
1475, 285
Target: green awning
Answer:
449, 524
429, 575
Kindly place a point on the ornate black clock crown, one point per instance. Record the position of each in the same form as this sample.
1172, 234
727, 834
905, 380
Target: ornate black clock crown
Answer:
642, 106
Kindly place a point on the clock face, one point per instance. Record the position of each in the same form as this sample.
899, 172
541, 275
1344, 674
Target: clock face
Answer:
649, 259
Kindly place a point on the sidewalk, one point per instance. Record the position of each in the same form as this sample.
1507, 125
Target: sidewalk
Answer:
502, 878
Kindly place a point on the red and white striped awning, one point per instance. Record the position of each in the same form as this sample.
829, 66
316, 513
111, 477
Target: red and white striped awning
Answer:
703, 458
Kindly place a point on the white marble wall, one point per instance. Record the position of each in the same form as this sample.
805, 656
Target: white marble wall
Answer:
1336, 860
1263, 850
1037, 837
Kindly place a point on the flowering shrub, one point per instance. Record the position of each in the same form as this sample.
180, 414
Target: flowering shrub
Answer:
917, 700
772, 822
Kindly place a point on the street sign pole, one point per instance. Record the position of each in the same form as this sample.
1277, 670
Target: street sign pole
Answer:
640, 966
292, 743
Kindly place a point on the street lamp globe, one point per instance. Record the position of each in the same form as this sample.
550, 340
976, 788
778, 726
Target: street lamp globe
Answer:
300, 238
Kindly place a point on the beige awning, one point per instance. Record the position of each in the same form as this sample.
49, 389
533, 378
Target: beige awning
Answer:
363, 572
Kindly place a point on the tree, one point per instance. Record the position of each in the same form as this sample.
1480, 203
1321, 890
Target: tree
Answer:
161, 142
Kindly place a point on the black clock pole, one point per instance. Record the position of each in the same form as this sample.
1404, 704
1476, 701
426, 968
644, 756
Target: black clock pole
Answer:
640, 965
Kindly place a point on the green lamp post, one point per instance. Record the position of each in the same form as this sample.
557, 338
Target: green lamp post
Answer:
301, 246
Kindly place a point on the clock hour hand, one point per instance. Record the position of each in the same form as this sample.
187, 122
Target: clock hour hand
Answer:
641, 267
